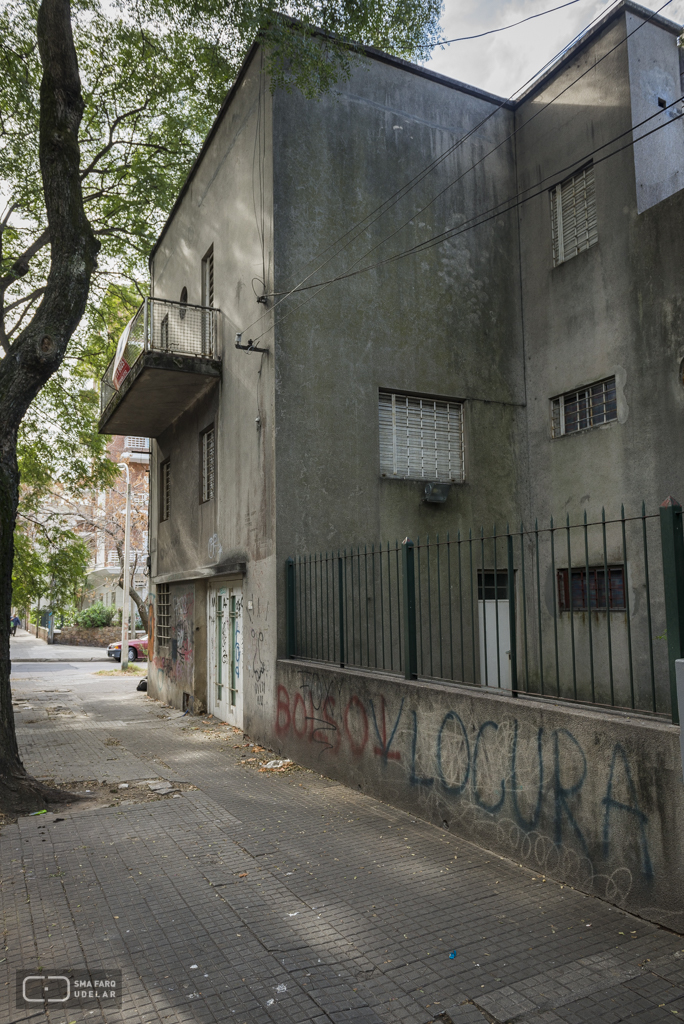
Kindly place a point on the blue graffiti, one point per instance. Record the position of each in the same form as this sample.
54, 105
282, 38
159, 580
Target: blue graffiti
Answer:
492, 808
416, 780
631, 808
522, 822
451, 716
384, 744
563, 793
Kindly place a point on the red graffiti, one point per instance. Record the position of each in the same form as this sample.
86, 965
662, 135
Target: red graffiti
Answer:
282, 727
299, 703
330, 727
356, 748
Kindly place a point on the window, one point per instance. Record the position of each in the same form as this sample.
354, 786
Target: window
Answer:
163, 615
593, 596
208, 300
137, 444
588, 407
165, 490
420, 438
491, 593
164, 334
208, 442
573, 215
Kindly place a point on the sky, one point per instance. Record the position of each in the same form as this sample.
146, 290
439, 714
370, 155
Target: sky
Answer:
503, 62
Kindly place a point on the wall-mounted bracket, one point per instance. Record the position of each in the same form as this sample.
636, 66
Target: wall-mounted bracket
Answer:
249, 347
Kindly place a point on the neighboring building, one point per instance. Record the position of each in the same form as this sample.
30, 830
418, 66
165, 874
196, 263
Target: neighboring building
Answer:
103, 526
526, 350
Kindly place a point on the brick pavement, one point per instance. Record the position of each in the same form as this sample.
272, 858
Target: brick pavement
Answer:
287, 898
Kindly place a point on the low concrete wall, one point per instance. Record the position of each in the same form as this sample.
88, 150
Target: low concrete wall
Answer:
79, 636
40, 631
591, 798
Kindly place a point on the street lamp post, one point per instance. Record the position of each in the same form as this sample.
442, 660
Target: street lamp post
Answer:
126, 574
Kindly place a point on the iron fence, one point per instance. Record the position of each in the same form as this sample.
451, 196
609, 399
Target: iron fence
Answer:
573, 611
162, 326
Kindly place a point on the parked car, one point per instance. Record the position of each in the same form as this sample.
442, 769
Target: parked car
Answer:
136, 649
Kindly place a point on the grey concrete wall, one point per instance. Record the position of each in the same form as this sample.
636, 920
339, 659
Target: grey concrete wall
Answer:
443, 324
228, 205
593, 799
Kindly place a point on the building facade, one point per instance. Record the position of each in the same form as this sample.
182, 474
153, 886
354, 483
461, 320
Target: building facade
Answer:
410, 283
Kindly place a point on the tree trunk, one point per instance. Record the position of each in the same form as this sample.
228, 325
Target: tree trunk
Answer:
40, 348
141, 606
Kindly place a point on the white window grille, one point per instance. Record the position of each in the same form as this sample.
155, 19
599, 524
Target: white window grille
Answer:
112, 558
208, 463
139, 499
588, 407
163, 615
573, 215
165, 490
420, 438
137, 444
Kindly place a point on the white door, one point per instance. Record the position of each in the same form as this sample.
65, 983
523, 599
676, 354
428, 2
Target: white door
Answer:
493, 672
224, 695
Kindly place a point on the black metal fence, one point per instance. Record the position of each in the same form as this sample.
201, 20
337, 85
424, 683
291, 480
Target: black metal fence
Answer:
573, 611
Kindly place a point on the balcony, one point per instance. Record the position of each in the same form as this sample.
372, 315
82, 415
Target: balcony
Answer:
167, 358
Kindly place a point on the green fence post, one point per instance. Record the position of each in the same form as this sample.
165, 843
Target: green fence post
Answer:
672, 538
290, 604
409, 586
340, 583
511, 618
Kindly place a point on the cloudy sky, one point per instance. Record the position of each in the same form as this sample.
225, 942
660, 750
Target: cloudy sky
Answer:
503, 62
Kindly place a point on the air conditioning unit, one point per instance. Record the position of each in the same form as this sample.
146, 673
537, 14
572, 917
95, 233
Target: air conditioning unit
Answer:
436, 493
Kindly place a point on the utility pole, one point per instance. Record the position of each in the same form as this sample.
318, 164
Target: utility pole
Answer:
125, 608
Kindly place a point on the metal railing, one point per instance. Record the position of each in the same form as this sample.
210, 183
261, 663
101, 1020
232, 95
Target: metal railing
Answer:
163, 326
571, 611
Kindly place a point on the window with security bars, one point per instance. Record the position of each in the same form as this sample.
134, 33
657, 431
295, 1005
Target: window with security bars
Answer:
208, 438
588, 407
573, 215
420, 438
165, 490
163, 624
580, 590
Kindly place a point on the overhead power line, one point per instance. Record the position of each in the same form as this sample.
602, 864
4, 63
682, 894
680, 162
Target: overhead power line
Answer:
504, 28
384, 207
509, 204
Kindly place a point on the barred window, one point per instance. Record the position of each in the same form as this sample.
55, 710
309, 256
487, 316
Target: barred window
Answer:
165, 490
208, 439
420, 438
137, 444
163, 615
588, 407
573, 215
572, 586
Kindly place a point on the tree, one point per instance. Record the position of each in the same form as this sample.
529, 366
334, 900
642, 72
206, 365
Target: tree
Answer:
90, 170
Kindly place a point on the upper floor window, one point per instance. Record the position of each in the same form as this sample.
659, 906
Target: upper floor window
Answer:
420, 438
208, 441
165, 490
588, 407
208, 278
573, 215
137, 444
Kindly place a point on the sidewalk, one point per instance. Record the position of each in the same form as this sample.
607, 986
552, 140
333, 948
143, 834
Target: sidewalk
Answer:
26, 647
283, 897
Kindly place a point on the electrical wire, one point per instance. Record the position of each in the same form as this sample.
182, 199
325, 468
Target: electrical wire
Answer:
361, 226
514, 24
514, 202
302, 286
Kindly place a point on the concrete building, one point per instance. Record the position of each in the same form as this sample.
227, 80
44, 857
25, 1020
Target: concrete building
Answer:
504, 316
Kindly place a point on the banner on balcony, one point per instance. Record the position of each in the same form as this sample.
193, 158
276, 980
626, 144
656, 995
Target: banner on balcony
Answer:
121, 366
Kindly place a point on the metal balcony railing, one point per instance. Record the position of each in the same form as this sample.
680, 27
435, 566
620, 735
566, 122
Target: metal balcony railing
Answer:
162, 326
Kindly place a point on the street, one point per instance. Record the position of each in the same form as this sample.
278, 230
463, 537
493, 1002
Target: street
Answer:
245, 894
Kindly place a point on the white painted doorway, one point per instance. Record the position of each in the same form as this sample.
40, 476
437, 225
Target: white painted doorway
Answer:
493, 602
225, 683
